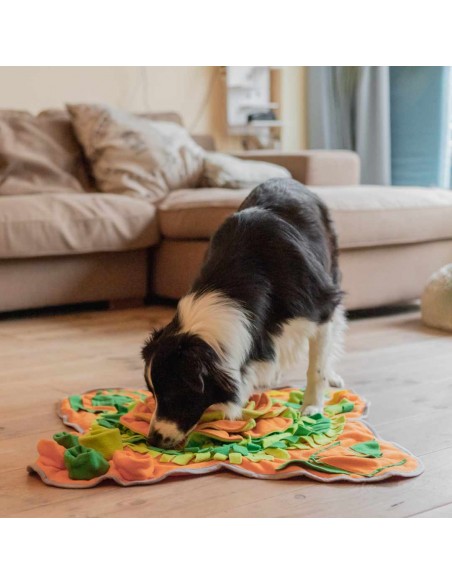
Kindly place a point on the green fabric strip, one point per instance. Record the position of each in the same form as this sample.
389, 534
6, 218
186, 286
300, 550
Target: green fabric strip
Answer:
342, 407
76, 402
370, 449
313, 465
84, 463
65, 439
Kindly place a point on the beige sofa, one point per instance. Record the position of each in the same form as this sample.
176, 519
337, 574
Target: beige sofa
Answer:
390, 239
77, 245
60, 248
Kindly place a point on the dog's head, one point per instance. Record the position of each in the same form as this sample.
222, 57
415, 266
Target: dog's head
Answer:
184, 374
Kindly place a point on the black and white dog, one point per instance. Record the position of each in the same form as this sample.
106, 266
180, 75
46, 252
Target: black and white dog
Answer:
269, 283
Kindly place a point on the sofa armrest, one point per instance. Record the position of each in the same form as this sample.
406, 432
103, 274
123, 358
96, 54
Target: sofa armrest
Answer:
313, 167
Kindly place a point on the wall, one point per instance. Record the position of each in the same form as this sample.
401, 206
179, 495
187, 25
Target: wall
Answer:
195, 92
293, 108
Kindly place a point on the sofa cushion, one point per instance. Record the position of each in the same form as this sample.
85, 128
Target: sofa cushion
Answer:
197, 213
40, 154
64, 224
368, 216
365, 216
132, 155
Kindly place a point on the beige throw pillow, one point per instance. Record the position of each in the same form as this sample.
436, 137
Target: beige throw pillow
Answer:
40, 154
222, 170
132, 155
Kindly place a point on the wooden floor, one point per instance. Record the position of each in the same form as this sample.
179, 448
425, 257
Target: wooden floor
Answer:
403, 368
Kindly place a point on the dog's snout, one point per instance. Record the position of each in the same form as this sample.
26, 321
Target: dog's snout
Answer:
155, 438
164, 433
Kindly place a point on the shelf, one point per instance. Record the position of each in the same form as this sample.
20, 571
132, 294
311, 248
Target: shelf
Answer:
269, 105
265, 123
250, 128
241, 86
248, 92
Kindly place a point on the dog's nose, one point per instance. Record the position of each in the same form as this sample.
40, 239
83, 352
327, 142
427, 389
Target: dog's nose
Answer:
155, 438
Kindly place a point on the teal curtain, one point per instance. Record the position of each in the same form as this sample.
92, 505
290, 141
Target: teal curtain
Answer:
420, 126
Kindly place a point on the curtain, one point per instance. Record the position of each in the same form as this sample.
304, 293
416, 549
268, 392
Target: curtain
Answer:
395, 118
349, 109
420, 126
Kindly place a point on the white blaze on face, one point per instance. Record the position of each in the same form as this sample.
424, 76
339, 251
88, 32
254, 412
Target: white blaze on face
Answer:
167, 429
147, 375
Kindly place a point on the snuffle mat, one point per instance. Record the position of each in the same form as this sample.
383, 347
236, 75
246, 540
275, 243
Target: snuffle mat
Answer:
272, 440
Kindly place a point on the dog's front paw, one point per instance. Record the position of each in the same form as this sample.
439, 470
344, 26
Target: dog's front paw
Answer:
310, 410
335, 380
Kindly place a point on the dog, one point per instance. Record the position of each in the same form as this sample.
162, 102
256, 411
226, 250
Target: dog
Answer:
269, 285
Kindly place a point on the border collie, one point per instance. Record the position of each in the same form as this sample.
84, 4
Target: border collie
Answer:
269, 283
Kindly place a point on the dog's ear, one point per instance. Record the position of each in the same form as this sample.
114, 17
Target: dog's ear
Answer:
195, 380
194, 369
149, 345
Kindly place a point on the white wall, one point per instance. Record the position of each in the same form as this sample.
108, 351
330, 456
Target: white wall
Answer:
293, 108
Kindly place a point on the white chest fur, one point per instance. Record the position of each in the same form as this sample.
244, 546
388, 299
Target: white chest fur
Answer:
290, 346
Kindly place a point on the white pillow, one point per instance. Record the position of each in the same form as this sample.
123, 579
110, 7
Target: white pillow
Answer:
436, 302
222, 170
133, 155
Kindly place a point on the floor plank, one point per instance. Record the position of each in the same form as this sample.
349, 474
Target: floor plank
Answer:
401, 366
437, 512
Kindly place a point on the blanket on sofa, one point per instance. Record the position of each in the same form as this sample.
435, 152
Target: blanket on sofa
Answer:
272, 440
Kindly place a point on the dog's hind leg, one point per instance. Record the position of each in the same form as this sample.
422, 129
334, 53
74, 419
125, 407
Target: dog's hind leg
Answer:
324, 348
339, 325
319, 347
